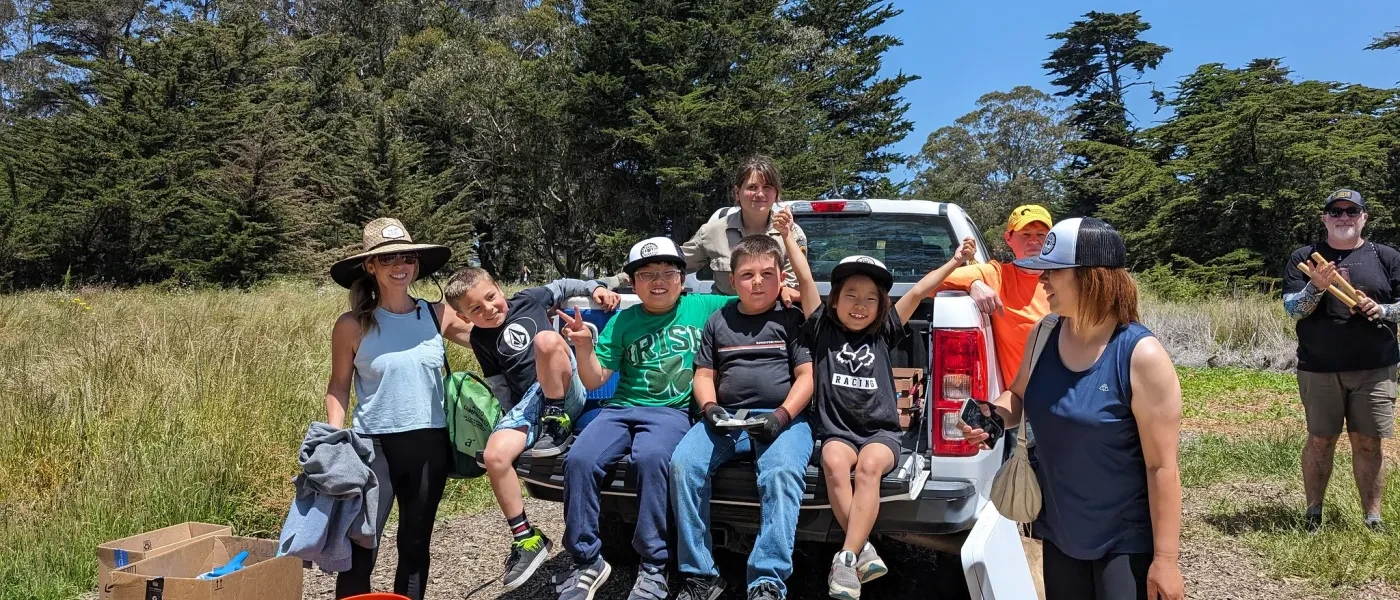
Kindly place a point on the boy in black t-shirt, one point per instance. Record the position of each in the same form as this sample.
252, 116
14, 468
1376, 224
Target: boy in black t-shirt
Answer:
749, 358
534, 375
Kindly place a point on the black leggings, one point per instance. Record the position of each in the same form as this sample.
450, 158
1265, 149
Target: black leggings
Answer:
1113, 577
412, 466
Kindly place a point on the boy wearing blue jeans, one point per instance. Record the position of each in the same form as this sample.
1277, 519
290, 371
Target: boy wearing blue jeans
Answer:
534, 376
749, 358
652, 348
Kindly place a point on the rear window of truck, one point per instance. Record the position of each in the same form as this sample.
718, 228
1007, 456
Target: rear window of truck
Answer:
910, 245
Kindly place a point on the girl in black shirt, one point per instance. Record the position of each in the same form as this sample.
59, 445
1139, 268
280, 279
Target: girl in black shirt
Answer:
857, 420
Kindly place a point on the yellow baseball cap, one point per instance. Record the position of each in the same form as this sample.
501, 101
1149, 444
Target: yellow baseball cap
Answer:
1026, 214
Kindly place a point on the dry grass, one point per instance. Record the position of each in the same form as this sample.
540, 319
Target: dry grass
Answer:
1246, 330
125, 411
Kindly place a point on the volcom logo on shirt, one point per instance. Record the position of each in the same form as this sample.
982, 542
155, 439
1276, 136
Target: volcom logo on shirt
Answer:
855, 361
516, 337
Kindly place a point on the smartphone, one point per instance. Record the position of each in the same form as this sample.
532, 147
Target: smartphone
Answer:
973, 417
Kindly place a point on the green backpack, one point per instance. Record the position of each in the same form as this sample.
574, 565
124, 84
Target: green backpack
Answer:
472, 413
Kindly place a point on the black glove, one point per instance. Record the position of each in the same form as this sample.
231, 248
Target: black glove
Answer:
773, 424
714, 413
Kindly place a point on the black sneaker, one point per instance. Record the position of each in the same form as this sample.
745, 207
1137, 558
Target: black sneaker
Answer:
766, 590
525, 557
698, 587
1313, 522
555, 433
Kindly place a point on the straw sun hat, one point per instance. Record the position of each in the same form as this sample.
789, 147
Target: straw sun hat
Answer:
388, 236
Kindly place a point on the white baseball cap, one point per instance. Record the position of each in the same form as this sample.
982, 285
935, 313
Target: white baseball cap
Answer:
652, 250
865, 265
1079, 242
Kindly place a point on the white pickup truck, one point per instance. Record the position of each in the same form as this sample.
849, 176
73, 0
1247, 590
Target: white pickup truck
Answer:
938, 495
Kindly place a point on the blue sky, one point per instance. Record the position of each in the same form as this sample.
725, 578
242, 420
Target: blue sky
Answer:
962, 49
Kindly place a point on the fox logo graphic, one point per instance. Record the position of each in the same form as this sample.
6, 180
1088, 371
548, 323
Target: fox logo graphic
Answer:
856, 360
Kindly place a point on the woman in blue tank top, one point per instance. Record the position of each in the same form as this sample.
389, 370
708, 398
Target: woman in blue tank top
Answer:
391, 348
1106, 405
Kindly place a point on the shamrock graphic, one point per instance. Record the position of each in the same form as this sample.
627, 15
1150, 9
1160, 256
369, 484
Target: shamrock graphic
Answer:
673, 378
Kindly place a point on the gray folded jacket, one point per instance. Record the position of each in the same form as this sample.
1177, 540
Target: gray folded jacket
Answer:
336, 499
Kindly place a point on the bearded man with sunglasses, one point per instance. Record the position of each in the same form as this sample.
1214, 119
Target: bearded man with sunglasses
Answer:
1346, 358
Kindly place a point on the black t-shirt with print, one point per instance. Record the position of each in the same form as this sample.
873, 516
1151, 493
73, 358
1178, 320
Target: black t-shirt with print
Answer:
1333, 339
753, 355
852, 376
509, 349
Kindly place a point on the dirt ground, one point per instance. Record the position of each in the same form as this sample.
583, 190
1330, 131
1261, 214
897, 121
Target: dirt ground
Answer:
468, 553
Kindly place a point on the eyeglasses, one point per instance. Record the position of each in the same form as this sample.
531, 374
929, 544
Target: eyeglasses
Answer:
650, 276
1349, 211
389, 260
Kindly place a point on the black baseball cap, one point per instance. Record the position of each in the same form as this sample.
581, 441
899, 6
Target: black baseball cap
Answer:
1344, 194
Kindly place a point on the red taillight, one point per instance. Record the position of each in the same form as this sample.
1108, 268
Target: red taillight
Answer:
829, 206
958, 373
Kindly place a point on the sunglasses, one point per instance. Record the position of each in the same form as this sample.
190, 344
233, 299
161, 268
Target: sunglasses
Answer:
389, 260
1349, 211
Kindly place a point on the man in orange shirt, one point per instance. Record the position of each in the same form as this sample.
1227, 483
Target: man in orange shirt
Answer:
1012, 296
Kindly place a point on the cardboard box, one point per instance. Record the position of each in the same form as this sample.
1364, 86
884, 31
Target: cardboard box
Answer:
174, 575
120, 553
907, 384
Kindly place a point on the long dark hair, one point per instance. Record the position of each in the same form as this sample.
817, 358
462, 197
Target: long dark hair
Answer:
364, 298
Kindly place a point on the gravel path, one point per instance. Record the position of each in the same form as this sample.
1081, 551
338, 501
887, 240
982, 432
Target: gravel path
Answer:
468, 553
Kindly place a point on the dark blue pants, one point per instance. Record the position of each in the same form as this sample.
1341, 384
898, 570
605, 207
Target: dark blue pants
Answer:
647, 435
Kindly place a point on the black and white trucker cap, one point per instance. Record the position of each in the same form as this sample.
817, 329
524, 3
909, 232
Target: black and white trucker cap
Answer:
653, 250
1079, 242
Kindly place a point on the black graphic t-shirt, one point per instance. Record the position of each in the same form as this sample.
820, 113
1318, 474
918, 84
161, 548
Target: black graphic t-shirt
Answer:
753, 356
509, 349
1333, 339
854, 383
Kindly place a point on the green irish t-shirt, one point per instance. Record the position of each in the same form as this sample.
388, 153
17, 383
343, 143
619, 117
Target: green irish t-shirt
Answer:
654, 355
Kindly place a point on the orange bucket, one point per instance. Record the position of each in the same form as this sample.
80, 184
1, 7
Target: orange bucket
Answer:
378, 596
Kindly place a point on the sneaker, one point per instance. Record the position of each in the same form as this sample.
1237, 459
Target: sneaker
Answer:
583, 581
555, 430
869, 565
698, 587
765, 590
651, 585
1313, 521
1375, 524
525, 557
843, 583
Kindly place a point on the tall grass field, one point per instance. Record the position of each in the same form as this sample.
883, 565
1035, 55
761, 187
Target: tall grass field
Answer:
125, 411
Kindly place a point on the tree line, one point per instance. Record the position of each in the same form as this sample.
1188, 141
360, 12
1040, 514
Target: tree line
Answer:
229, 141
226, 141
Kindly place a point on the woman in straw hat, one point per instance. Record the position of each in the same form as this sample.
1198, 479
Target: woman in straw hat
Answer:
393, 353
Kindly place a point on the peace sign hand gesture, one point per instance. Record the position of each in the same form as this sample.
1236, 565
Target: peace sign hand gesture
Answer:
576, 330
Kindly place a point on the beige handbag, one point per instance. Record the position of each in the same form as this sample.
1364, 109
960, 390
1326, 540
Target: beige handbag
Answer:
1015, 491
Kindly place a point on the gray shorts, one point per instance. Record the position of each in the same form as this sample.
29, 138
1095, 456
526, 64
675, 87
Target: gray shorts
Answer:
1364, 399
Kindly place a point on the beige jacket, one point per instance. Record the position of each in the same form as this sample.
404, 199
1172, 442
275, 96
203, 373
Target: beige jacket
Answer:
712, 245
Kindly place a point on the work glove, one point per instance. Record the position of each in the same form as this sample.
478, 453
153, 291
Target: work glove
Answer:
714, 413
773, 424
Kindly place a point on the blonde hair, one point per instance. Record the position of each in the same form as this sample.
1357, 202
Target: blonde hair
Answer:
463, 281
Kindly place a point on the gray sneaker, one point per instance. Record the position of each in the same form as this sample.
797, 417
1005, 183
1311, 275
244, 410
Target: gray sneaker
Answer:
651, 584
765, 590
869, 565
697, 587
843, 583
583, 581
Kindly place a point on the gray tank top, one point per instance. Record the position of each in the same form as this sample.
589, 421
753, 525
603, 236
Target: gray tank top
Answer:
398, 374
